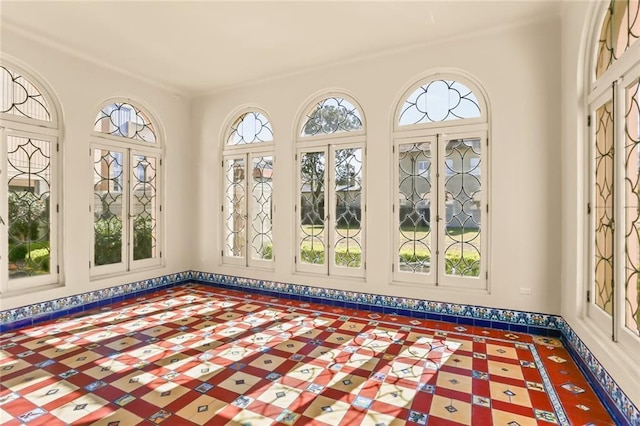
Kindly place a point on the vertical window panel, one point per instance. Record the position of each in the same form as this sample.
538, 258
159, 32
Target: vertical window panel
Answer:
312, 207
415, 205
29, 206
235, 207
603, 208
144, 206
108, 208
463, 207
347, 193
262, 208
632, 208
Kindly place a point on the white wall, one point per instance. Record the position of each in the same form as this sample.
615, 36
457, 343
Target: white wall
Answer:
80, 88
518, 67
577, 18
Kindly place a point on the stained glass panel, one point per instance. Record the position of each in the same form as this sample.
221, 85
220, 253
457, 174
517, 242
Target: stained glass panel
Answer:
620, 29
21, 98
463, 209
603, 208
439, 100
235, 207
29, 216
251, 127
125, 120
415, 207
632, 208
262, 208
348, 207
332, 115
108, 209
144, 206
312, 208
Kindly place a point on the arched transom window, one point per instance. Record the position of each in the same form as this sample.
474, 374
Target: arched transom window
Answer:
248, 163
126, 156
330, 206
613, 293
440, 156
29, 175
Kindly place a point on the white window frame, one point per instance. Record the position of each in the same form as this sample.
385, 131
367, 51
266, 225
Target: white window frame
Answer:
329, 144
13, 125
246, 152
129, 148
610, 86
438, 134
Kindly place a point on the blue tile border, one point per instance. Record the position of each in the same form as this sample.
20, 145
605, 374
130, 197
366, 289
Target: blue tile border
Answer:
38, 312
619, 405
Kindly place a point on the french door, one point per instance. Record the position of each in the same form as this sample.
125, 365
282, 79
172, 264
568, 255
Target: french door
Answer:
440, 210
125, 209
248, 210
330, 210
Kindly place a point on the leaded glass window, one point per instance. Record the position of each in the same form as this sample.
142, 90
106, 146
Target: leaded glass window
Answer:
440, 212
250, 127
332, 115
331, 203
247, 206
620, 29
613, 291
126, 121
437, 101
29, 173
126, 208
21, 98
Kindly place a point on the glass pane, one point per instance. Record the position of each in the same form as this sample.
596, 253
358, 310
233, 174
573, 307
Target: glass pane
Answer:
312, 213
262, 208
414, 249
108, 179
235, 208
603, 207
632, 209
463, 207
620, 29
348, 197
20, 97
144, 206
251, 127
29, 218
125, 120
440, 100
332, 115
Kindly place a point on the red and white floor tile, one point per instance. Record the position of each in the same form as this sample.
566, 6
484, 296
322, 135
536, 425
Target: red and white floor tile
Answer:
194, 355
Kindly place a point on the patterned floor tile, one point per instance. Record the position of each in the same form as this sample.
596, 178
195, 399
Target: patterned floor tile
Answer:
191, 356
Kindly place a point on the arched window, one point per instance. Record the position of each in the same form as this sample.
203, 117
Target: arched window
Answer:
29, 214
330, 207
441, 162
248, 163
614, 168
126, 155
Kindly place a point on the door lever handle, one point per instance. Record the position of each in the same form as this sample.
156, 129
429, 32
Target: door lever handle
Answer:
2, 221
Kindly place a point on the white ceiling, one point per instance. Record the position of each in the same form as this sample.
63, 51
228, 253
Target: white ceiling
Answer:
194, 46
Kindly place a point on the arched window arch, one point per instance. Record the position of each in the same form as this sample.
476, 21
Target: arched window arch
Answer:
29, 171
248, 164
330, 207
441, 167
126, 156
614, 173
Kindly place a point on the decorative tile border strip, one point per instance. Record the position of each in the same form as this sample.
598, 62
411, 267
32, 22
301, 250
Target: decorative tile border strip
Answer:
616, 401
503, 319
44, 311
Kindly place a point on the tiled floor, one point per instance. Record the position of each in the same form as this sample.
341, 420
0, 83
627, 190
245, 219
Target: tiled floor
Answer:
195, 355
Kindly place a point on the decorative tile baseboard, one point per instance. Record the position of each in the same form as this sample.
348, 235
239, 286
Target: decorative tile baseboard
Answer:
44, 311
619, 405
